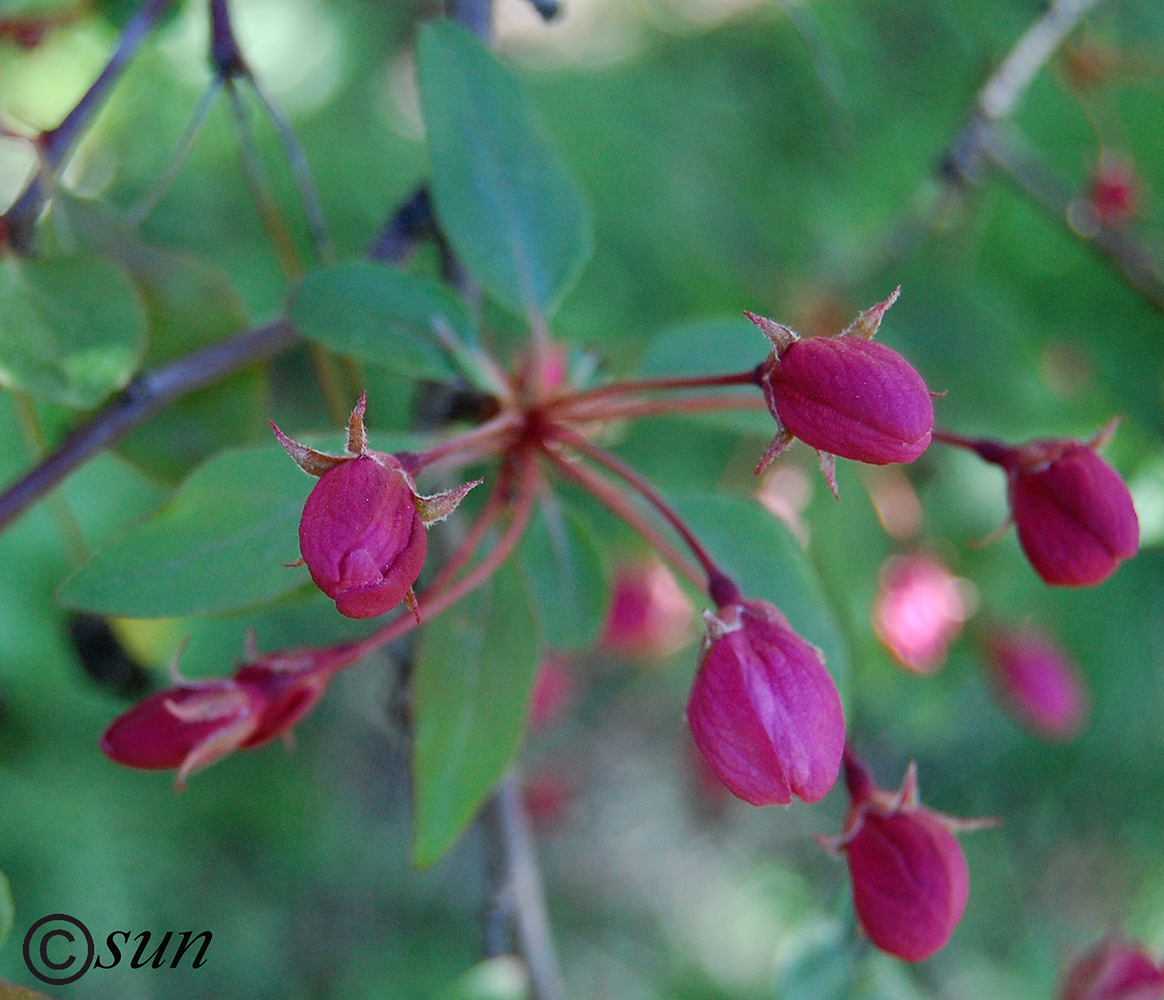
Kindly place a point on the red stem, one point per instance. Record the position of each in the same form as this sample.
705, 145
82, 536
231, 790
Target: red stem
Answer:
469, 441
651, 384
616, 502
650, 407
719, 585
989, 451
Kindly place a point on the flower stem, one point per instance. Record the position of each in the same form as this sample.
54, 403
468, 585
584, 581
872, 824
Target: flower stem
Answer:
989, 451
632, 386
632, 408
484, 434
616, 502
716, 578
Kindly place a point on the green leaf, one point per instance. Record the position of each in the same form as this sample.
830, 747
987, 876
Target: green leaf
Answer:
505, 199
189, 305
72, 329
758, 552
503, 978
219, 544
381, 315
713, 347
568, 578
472, 688
7, 908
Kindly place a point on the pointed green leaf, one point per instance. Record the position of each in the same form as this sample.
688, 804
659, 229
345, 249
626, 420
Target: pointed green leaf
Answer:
381, 315
471, 694
219, 544
72, 329
568, 578
503, 195
758, 552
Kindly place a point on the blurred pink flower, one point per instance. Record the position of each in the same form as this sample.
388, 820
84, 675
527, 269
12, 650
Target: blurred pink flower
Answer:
919, 610
552, 690
650, 616
1038, 682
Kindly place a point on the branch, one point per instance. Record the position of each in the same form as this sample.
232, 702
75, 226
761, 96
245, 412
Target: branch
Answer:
148, 393
56, 144
516, 896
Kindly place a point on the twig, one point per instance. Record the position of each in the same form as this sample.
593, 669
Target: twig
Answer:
149, 392
516, 896
58, 143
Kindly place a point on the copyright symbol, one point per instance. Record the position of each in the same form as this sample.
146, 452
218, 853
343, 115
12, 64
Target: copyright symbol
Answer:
62, 943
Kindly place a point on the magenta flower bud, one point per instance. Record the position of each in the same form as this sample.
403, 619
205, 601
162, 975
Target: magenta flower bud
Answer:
362, 537
909, 875
1074, 514
1038, 683
845, 395
763, 710
196, 723
1114, 970
363, 530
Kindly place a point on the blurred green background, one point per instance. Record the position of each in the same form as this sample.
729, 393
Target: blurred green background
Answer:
735, 155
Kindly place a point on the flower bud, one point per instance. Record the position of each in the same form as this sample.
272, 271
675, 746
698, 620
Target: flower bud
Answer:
1038, 682
1113, 192
196, 723
919, 610
650, 616
362, 537
1073, 513
763, 710
845, 395
1114, 970
910, 881
362, 534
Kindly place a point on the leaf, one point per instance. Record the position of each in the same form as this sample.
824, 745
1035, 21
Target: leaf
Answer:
471, 689
713, 347
381, 315
568, 578
7, 908
504, 197
189, 305
72, 329
502, 978
219, 544
758, 552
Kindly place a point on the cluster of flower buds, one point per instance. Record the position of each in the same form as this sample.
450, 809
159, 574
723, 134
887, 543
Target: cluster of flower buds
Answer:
197, 722
844, 395
1115, 970
1037, 682
909, 875
763, 710
1073, 513
363, 530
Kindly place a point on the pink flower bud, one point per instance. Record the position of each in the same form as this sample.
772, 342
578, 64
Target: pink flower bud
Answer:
362, 537
362, 534
1114, 970
1073, 513
910, 880
650, 616
552, 691
1038, 682
919, 610
196, 723
845, 395
763, 710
